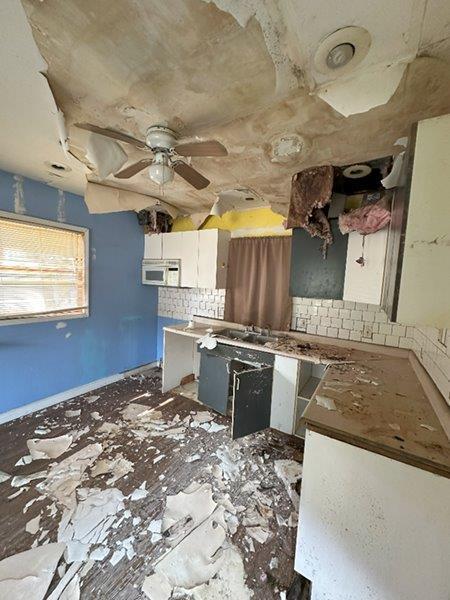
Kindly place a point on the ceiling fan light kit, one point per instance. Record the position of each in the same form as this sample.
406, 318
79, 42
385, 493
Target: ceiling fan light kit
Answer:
165, 153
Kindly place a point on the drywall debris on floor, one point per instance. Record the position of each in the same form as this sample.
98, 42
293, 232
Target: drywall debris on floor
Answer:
89, 522
65, 477
4, 476
118, 467
49, 447
29, 574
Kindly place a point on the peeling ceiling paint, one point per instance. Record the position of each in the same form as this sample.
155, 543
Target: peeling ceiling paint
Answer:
240, 72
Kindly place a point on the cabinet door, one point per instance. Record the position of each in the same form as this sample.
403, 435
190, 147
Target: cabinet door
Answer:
364, 283
207, 258
252, 394
189, 259
153, 245
214, 381
171, 245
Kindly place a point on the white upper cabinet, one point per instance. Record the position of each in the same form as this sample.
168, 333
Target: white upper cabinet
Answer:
153, 245
203, 255
213, 258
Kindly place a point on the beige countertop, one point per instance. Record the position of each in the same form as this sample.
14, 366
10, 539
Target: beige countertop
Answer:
371, 396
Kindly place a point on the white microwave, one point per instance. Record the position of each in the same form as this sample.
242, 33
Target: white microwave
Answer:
161, 272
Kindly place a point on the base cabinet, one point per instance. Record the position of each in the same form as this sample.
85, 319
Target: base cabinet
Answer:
230, 383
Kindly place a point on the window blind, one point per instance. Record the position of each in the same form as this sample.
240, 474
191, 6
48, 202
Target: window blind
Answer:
42, 270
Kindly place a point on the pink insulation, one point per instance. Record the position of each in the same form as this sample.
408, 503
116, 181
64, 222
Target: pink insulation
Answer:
368, 219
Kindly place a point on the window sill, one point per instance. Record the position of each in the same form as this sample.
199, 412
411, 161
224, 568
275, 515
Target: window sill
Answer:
62, 316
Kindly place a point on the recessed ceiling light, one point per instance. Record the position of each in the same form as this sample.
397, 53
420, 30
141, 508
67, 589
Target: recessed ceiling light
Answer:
342, 50
340, 55
357, 171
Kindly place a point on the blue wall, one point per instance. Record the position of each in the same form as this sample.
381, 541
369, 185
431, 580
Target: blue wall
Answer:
38, 360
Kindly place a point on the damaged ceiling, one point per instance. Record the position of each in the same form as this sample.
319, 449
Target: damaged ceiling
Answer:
244, 73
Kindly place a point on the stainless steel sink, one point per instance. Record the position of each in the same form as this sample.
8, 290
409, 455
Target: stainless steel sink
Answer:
251, 337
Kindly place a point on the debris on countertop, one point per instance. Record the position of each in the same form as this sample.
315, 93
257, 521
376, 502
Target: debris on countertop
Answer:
323, 353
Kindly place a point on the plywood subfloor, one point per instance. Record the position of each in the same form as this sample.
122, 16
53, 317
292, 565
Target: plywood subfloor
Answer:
265, 576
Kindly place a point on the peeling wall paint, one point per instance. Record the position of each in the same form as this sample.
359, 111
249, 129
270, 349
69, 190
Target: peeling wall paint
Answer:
61, 211
19, 202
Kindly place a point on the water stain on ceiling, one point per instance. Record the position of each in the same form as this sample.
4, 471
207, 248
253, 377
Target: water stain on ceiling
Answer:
238, 72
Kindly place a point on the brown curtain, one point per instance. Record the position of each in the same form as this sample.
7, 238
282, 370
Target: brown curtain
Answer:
258, 282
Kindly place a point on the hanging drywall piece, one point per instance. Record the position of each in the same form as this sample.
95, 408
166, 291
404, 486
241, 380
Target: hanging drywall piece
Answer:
363, 91
29, 574
43, 448
102, 199
105, 154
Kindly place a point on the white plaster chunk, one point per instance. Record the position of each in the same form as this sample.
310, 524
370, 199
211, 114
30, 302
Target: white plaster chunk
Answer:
73, 413
325, 402
25, 460
32, 526
63, 479
289, 471
44, 448
365, 90
140, 493
72, 591
228, 583
21, 480
199, 556
117, 557
186, 510
157, 587
259, 534
29, 574
100, 553
203, 416
118, 467
90, 521
4, 476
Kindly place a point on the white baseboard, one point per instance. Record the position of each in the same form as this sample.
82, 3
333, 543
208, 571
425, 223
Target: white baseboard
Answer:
32, 407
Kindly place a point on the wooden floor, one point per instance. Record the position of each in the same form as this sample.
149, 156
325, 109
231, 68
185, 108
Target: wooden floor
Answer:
265, 577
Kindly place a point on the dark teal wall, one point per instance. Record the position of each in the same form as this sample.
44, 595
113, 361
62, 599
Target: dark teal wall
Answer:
38, 360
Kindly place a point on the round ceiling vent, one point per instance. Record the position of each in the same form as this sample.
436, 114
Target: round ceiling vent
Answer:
342, 50
357, 171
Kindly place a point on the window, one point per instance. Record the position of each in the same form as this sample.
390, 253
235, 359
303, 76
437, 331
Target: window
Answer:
43, 270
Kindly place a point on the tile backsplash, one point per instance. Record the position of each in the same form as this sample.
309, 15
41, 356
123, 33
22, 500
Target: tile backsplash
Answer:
332, 318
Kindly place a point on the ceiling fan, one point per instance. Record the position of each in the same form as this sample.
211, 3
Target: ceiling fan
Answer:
165, 151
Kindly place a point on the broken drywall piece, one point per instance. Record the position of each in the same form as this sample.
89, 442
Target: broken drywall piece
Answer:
203, 416
99, 553
394, 178
21, 480
325, 402
106, 199
64, 581
32, 526
364, 90
43, 448
73, 413
216, 427
199, 556
63, 479
117, 556
289, 471
72, 591
89, 522
259, 534
91, 399
186, 510
193, 458
157, 587
106, 155
4, 476
95, 415
29, 574
140, 493
118, 467
25, 460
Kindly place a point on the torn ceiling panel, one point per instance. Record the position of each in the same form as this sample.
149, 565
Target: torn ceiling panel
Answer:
182, 65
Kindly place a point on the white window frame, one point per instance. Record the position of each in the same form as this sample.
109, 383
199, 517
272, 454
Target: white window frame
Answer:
60, 316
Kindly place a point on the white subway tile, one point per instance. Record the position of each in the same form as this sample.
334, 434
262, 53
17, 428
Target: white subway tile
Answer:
392, 340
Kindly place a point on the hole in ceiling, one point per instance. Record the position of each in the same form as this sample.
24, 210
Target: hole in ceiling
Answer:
57, 167
342, 50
